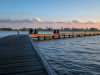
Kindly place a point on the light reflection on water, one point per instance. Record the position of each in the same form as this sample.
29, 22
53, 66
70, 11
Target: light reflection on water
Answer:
73, 56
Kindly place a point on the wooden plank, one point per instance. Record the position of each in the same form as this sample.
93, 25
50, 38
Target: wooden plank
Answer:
18, 57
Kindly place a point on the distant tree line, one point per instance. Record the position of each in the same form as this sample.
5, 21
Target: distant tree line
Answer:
39, 29
50, 29
6, 29
80, 29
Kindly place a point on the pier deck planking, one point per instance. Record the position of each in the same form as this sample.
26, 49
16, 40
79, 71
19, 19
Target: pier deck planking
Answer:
18, 57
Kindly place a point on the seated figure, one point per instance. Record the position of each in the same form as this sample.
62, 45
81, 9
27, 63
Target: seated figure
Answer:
35, 31
31, 31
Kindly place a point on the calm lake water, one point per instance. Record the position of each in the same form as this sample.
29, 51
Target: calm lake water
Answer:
6, 33
70, 56
73, 56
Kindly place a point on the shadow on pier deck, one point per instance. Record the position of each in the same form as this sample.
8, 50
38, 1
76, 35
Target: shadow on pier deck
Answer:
18, 57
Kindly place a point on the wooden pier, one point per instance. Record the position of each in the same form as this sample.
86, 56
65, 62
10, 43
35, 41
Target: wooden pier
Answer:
63, 35
19, 57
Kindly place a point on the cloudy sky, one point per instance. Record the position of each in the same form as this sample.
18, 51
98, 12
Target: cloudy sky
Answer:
50, 13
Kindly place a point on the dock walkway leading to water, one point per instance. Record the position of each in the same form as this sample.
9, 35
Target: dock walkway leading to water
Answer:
18, 57
58, 36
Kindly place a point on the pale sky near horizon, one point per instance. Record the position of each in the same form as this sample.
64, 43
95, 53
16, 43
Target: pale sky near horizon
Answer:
79, 12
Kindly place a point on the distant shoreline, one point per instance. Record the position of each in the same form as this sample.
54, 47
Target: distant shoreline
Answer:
60, 30
51, 29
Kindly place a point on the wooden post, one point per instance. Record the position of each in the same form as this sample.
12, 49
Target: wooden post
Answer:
79, 35
94, 32
69, 35
73, 35
84, 34
44, 37
18, 32
53, 36
64, 36
59, 36
38, 38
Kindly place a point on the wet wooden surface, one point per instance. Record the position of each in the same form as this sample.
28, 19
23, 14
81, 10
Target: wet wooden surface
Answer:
18, 57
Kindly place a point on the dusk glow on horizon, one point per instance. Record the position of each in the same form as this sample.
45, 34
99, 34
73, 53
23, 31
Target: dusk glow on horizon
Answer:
50, 13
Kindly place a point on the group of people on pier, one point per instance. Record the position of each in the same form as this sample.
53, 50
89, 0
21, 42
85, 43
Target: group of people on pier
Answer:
35, 31
56, 31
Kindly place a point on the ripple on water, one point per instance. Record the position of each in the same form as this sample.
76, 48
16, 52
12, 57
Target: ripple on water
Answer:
75, 56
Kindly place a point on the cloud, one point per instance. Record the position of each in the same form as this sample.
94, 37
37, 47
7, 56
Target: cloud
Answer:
13, 20
38, 20
48, 22
70, 22
76, 22
59, 22
89, 22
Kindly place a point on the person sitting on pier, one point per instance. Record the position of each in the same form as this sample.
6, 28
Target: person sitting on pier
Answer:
35, 31
31, 31
54, 31
57, 31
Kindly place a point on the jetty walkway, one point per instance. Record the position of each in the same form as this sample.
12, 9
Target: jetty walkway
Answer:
63, 35
19, 57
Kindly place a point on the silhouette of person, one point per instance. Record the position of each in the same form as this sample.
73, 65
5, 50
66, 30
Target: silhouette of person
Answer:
31, 31
57, 31
54, 31
35, 31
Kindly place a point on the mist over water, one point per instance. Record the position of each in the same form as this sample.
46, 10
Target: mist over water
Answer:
73, 56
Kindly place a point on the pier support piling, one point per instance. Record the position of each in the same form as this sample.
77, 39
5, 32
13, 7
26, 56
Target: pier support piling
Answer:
44, 37
64, 36
38, 38
53, 37
59, 36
